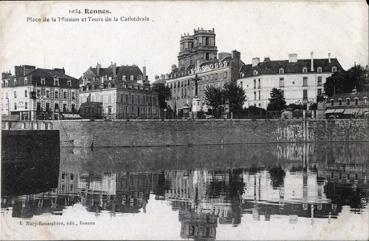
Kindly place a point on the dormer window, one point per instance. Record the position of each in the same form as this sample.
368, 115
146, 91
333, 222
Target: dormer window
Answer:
56, 82
332, 102
255, 72
347, 101
132, 77
319, 69
334, 69
281, 71
304, 70
69, 83
42, 81
25, 80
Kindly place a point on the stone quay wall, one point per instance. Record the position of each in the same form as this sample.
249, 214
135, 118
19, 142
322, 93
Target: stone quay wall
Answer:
136, 133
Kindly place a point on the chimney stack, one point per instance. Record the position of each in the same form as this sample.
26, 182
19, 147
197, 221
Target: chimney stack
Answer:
292, 58
255, 61
144, 73
311, 61
98, 66
329, 57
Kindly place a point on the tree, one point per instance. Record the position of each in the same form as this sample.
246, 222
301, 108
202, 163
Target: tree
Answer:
345, 81
164, 94
235, 95
276, 100
214, 98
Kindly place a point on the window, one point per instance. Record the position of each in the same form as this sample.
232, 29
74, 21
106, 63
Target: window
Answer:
15, 106
305, 81
64, 107
304, 94
319, 92
207, 56
281, 82
38, 106
25, 93
65, 94
319, 81
254, 83
56, 106
38, 92
56, 94
340, 101
73, 107
332, 102
56, 82
356, 101
47, 106
281, 71
259, 95
304, 70
255, 72
25, 80
124, 78
319, 69
47, 94
258, 83
365, 100
69, 83
73, 95
42, 81
254, 95
15, 94
334, 69
26, 105
347, 101
132, 77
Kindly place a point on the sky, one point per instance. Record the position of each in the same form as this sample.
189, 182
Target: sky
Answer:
256, 29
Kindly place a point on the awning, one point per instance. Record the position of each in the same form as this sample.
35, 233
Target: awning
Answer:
329, 111
71, 116
350, 112
339, 111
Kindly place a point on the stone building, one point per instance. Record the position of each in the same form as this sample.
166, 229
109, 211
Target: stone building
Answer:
199, 66
34, 93
124, 92
346, 105
301, 80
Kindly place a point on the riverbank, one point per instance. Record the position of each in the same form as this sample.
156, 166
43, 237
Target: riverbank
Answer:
141, 133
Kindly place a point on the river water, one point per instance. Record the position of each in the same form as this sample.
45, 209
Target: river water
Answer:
279, 191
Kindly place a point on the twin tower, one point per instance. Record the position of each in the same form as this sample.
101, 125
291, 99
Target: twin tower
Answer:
197, 48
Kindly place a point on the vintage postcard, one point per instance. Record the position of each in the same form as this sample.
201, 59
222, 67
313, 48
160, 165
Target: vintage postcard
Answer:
199, 120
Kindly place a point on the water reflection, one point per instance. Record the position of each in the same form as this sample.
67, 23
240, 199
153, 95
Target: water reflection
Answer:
210, 187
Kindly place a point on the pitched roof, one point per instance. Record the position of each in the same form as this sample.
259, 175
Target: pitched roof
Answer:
39, 72
126, 70
268, 66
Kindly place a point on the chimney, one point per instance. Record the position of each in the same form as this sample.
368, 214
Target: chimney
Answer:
255, 61
329, 57
311, 61
98, 66
114, 69
144, 73
292, 58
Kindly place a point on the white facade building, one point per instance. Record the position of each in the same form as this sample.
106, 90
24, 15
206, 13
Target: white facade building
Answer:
301, 80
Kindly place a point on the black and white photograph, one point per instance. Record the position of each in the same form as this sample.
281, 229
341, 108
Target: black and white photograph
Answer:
184, 120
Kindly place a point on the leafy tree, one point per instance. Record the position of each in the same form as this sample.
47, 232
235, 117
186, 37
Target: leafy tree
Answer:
345, 81
164, 94
214, 98
235, 95
276, 100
